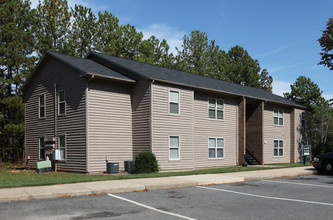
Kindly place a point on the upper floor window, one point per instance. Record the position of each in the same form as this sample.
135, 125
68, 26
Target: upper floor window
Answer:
278, 148
174, 147
216, 109
303, 119
61, 102
278, 116
215, 148
41, 106
62, 147
41, 149
174, 102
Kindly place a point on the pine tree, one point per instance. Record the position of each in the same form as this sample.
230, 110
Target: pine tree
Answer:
16, 61
154, 51
52, 26
83, 29
107, 38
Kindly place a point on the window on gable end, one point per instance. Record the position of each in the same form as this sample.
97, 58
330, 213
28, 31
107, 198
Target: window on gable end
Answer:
41, 106
61, 102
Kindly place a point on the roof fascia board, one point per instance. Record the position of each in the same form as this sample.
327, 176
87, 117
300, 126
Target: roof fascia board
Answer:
48, 54
115, 66
111, 78
121, 67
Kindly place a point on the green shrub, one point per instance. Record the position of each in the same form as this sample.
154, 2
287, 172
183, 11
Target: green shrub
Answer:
145, 162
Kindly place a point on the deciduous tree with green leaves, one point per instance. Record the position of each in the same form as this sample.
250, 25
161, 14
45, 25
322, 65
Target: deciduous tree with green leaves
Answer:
326, 43
322, 123
308, 93
304, 91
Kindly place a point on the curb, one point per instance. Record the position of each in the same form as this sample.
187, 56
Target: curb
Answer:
304, 173
133, 185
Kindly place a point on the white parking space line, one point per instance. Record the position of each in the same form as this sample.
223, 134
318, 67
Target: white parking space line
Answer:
151, 208
267, 197
303, 184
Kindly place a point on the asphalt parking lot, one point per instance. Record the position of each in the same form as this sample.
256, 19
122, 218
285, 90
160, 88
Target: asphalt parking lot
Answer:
308, 197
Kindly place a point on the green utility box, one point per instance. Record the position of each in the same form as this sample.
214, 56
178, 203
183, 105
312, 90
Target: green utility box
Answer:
44, 166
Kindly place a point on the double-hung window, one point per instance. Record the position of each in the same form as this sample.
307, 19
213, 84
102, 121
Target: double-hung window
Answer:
41, 148
41, 106
215, 148
174, 147
216, 109
174, 102
278, 148
278, 116
303, 119
61, 102
62, 147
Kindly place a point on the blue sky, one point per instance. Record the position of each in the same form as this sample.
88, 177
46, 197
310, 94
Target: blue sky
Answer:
282, 35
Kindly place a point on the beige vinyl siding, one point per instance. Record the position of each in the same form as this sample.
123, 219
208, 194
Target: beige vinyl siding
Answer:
72, 125
141, 116
36, 127
109, 124
276, 132
165, 125
205, 128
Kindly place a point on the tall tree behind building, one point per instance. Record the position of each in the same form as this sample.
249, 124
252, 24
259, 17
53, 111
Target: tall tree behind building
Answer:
202, 56
82, 32
52, 23
308, 93
16, 61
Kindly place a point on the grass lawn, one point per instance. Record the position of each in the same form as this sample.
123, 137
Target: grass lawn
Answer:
19, 177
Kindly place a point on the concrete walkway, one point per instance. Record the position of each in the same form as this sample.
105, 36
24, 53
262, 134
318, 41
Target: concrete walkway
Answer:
131, 185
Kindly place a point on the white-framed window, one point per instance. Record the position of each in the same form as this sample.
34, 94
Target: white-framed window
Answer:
278, 116
303, 119
174, 147
174, 102
215, 147
61, 102
41, 148
215, 109
278, 148
62, 147
41, 106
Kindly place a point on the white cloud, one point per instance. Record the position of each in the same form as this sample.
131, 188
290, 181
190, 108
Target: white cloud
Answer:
277, 68
328, 96
280, 87
273, 51
172, 35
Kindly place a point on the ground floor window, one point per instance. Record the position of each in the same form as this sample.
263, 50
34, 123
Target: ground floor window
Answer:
41, 148
62, 147
278, 148
215, 148
174, 147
